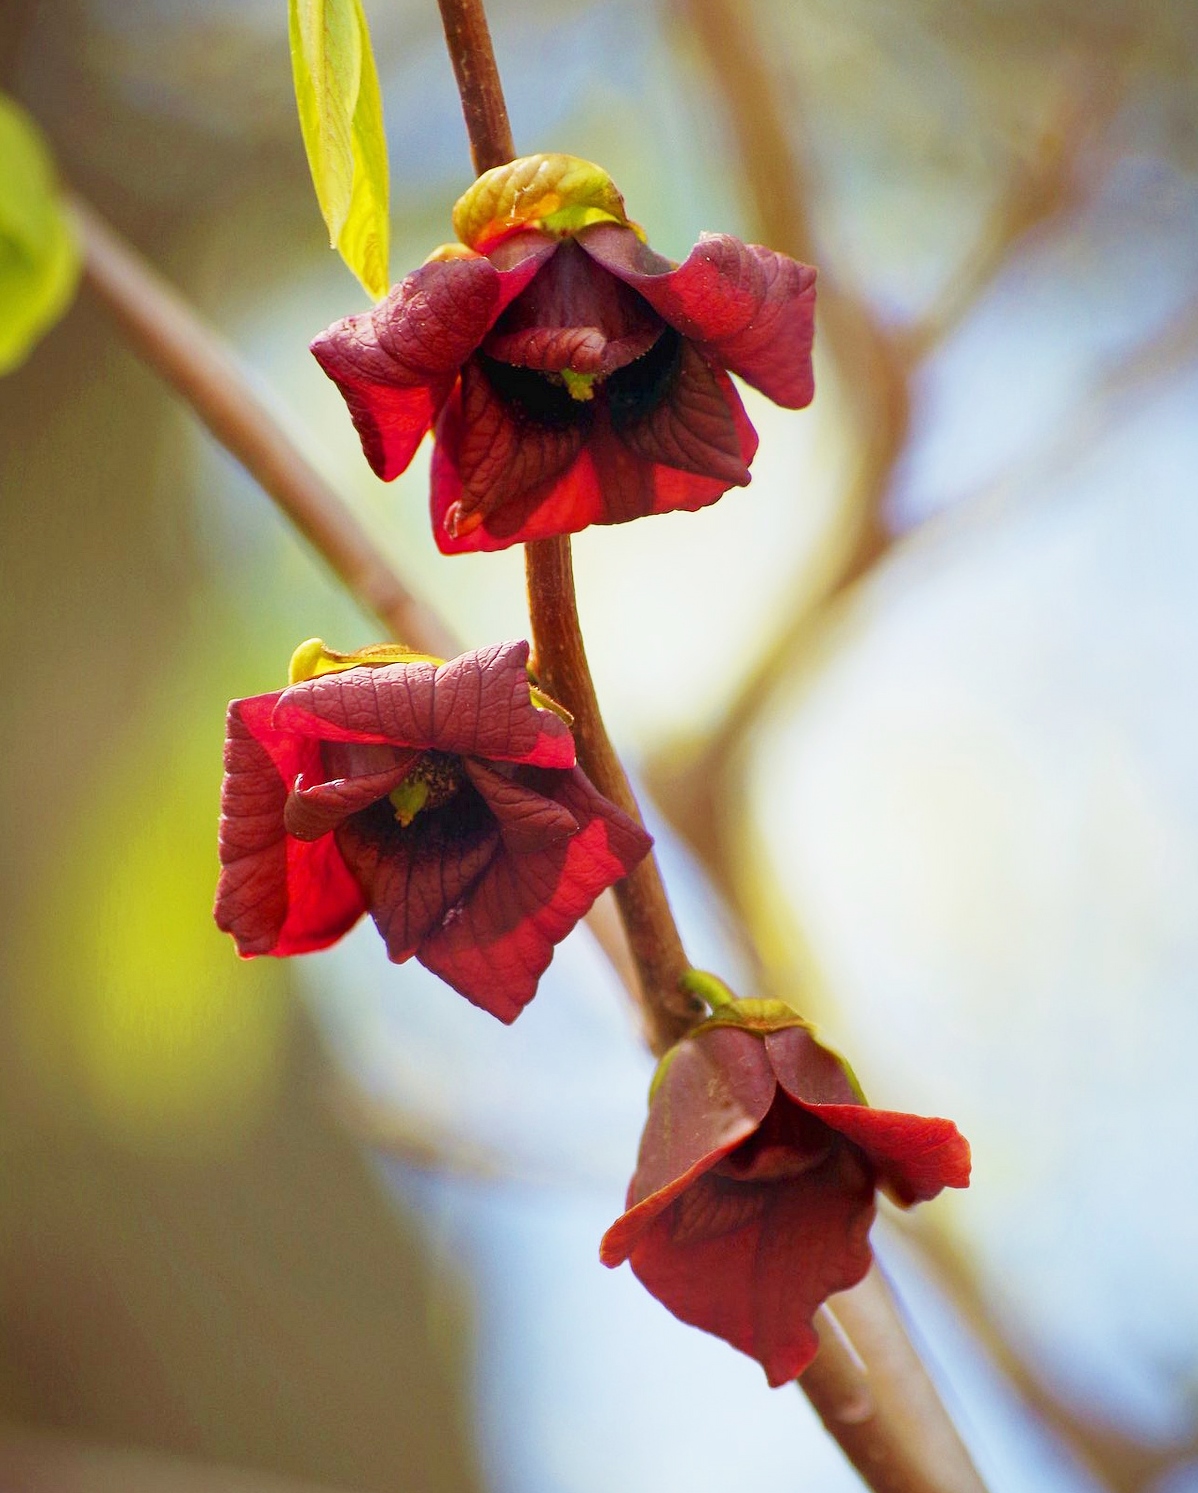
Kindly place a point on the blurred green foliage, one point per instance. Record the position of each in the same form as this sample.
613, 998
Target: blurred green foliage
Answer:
39, 260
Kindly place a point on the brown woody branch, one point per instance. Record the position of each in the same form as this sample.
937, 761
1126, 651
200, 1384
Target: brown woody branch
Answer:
560, 655
204, 370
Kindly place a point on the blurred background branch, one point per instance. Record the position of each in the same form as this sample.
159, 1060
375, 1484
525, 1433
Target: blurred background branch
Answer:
700, 784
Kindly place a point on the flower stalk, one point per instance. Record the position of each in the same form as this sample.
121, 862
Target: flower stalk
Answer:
559, 657
560, 660
468, 38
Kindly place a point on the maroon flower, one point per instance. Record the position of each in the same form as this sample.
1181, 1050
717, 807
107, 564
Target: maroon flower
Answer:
441, 798
754, 1190
572, 375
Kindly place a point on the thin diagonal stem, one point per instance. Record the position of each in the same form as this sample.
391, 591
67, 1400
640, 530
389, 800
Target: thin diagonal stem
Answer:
200, 366
560, 655
468, 38
561, 664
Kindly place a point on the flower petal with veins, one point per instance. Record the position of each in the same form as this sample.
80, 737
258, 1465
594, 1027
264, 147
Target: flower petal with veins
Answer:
443, 798
754, 1190
276, 894
475, 705
753, 310
496, 945
591, 386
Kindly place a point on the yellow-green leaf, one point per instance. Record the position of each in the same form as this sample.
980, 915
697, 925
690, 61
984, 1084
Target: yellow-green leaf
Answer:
341, 118
39, 259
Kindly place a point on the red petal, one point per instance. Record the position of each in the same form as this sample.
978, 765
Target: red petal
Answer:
752, 309
395, 365
574, 315
581, 349
608, 483
476, 705
714, 1093
694, 429
411, 881
495, 455
758, 1286
916, 1156
391, 408
494, 948
276, 894
527, 819
312, 812
807, 1071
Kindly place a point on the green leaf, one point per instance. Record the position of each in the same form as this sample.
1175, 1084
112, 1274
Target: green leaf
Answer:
39, 259
341, 117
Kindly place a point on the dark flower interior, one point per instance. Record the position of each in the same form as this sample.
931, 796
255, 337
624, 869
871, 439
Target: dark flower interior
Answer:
576, 334
789, 1143
454, 813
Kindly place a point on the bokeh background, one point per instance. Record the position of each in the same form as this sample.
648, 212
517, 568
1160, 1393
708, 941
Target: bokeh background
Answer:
916, 714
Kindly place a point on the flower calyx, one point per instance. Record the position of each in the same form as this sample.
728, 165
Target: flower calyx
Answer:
313, 659
556, 194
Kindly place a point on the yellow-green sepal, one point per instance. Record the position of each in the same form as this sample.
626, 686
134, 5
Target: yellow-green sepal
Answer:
762, 1017
39, 256
546, 702
755, 1015
557, 194
341, 119
662, 1068
312, 659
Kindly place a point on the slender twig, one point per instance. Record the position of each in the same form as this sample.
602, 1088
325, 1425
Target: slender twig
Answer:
1124, 1463
561, 665
702, 794
873, 1393
468, 38
200, 366
560, 656
1036, 192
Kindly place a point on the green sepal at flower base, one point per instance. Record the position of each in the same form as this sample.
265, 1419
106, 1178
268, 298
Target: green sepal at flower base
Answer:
313, 659
556, 194
39, 256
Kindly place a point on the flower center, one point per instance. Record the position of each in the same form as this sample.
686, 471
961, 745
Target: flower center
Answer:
788, 1143
435, 780
559, 400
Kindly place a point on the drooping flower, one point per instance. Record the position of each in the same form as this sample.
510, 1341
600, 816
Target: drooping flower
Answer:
572, 376
754, 1191
443, 798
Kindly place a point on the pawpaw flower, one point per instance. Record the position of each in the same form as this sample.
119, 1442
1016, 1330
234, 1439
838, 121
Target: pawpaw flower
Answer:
572, 376
754, 1190
443, 798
